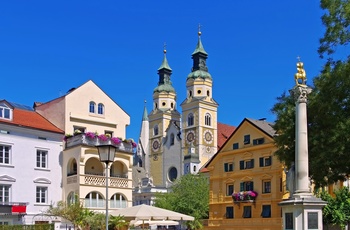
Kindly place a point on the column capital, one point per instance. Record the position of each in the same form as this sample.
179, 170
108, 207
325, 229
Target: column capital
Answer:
300, 93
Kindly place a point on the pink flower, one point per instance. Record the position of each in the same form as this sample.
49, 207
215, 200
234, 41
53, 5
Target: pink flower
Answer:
116, 140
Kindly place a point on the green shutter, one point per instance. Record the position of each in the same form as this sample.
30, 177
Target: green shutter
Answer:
261, 162
241, 165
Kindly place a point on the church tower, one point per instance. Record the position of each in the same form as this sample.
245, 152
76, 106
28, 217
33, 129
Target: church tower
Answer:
199, 109
164, 131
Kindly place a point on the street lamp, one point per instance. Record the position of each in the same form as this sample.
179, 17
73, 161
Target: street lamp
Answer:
106, 153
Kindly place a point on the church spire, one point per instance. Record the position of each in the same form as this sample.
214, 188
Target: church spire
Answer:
145, 114
164, 72
199, 56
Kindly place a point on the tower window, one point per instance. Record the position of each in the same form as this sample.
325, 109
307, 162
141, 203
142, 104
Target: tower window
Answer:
100, 109
190, 119
92, 107
172, 139
207, 119
208, 93
199, 91
172, 105
172, 174
155, 130
163, 104
190, 93
155, 105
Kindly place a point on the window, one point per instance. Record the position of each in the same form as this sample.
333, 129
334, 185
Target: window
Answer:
172, 174
5, 152
5, 111
246, 139
71, 198
94, 200
4, 223
229, 212
246, 186
266, 186
118, 201
247, 212
172, 139
109, 133
100, 109
208, 93
190, 93
266, 211
258, 141
190, 119
155, 130
246, 164
265, 161
207, 119
228, 167
235, 146
41, 195
92, 107
229, 189
41, 159
4, 193
78, 130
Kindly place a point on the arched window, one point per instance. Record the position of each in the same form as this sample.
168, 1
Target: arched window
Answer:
208, 93
155, 130
94, 200
118, 201
190, 119
172, 139
72, 167
207, 119
71, 198
172, 174
92, 107
100, 108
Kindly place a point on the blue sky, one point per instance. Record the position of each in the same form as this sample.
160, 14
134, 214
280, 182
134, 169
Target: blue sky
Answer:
48, 47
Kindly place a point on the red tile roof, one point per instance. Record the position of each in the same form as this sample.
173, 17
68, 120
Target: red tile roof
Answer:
224, 132
31, 119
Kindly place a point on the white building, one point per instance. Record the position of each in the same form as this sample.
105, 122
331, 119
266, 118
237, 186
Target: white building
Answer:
30, 165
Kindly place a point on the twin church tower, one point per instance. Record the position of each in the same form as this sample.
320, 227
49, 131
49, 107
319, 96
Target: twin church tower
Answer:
173, 144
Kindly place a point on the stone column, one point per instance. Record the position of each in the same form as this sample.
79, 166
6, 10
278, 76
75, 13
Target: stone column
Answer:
300, 93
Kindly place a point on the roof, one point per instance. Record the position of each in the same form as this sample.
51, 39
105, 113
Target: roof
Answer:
25, 116
224, 132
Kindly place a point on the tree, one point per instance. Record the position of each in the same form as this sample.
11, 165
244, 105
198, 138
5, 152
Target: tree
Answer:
118, 222
337, 23
189, 195
328, 106
337, 210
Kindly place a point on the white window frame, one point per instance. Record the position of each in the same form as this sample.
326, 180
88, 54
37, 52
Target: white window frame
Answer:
42, 158
92, 107
5, 192
41, 195
118, 203
5, 156
90, 202
100, 109
4, 108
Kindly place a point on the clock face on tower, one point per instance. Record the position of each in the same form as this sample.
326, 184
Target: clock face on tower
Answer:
190, 136
155, 145
208, 137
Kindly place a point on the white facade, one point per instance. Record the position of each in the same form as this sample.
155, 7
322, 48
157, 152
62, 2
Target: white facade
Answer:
33, 173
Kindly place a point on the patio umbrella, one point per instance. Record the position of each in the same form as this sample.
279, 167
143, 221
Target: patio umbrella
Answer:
154, 222
147, 212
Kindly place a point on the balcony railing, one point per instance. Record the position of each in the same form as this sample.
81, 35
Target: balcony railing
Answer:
93, 180
82, 139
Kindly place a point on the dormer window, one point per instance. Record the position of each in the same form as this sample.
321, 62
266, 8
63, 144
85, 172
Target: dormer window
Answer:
5, 111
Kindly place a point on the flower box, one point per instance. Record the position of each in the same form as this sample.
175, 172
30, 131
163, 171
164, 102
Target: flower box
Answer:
245, 196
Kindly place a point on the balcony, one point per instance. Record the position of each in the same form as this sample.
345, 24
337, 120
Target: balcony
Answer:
85, 139
96, 180
13, 208
245, 196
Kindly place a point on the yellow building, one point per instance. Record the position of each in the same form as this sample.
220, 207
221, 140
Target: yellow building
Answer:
246, 180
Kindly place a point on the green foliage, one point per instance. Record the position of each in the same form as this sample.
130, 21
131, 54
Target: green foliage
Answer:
189, 195
337, 210
337, 23
28, 227
117, 222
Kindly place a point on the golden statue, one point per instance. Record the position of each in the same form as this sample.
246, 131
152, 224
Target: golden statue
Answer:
300, 76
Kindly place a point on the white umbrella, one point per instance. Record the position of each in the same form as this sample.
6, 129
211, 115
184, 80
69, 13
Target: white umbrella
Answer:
154, 222
146, 212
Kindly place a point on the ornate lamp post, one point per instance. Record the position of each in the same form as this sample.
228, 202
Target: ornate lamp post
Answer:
106, 153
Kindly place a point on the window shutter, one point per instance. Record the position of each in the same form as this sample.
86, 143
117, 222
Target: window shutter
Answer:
226, 167
241, 165
270, 160
241, 186
252, 162
261, 162
251, 186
